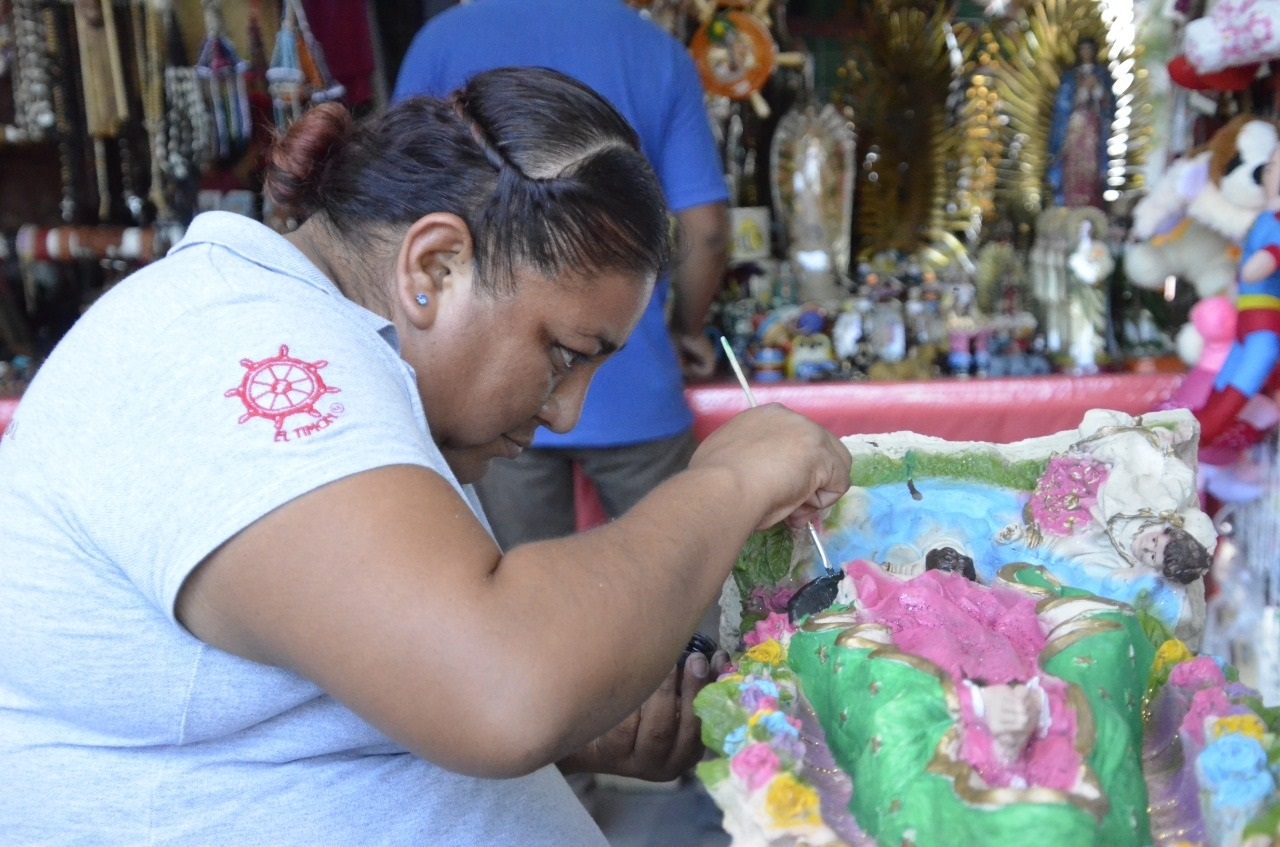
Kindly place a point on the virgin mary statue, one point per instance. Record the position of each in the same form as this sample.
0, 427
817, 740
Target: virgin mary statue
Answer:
1081, 122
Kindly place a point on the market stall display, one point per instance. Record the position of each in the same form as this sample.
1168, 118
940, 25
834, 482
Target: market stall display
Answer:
958, 229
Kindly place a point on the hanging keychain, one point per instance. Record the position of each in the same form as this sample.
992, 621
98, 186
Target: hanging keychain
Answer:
222, 77
298, 76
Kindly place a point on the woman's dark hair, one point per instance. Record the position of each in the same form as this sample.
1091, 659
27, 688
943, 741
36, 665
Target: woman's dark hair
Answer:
545, 173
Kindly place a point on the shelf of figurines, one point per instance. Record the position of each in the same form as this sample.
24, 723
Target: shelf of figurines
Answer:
896, 320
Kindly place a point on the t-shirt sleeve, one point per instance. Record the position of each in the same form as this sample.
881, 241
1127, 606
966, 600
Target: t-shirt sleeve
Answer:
689, 166
419, 73
230, 413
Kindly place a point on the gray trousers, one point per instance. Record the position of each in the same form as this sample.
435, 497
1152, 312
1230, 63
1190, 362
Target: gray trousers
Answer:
531, 498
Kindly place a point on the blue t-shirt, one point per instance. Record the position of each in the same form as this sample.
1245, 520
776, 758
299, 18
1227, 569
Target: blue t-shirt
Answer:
638, 395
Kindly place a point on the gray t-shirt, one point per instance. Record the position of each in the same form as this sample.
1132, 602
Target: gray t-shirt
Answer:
190, 400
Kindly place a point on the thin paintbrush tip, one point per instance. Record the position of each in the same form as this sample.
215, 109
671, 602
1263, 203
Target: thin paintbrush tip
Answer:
737, 370
751, 400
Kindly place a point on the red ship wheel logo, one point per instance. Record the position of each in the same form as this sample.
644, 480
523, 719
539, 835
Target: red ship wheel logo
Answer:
280, 386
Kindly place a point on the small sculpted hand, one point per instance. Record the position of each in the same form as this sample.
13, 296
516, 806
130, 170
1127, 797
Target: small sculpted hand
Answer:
1012, 715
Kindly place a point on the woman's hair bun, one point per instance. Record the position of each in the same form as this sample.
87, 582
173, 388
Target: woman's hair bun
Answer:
296, 163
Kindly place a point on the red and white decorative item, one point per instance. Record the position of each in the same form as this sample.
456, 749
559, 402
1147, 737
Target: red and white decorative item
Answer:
1234, 33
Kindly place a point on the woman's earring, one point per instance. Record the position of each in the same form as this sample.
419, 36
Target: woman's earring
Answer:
423, 299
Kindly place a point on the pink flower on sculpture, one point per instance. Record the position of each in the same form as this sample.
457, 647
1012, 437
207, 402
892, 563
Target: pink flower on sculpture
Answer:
755, 701
1207, 703
771, 599
1200, 672
776, 626
755, 765
1069, 487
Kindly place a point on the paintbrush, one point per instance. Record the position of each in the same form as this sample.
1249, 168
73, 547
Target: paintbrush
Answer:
816, 594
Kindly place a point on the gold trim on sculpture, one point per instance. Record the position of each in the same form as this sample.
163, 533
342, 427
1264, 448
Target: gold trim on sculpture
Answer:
828, 620
1075, 631
962, 774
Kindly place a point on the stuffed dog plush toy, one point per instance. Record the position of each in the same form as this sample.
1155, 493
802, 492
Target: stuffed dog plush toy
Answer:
1191, 223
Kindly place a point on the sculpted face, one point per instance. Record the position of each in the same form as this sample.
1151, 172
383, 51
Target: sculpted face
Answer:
1148, 547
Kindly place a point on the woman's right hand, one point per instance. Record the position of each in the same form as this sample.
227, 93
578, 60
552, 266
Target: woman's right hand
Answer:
789, 467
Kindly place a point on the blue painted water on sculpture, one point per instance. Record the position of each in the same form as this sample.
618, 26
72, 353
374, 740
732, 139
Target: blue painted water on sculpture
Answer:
897, 525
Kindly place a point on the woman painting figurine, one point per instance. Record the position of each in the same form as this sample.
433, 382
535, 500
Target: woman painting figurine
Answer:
249, 598
1079, 126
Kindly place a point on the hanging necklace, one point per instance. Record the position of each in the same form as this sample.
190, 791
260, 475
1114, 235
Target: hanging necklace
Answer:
23, 44
57, 34
146, 29
186, 137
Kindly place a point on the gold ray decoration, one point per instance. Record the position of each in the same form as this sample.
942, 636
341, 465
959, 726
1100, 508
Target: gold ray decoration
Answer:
922, 179
980, 137
1033, 52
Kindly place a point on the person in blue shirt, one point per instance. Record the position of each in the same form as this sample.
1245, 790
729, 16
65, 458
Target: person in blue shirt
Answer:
636, 427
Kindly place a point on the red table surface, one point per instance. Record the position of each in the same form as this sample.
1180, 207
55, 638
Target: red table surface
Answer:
998, 410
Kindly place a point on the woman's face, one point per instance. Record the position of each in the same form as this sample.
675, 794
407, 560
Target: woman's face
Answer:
491, 371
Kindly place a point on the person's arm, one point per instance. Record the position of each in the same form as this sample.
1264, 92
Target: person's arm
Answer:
384, 589
695, 279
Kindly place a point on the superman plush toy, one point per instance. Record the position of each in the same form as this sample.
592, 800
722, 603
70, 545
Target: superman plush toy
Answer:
1249, 366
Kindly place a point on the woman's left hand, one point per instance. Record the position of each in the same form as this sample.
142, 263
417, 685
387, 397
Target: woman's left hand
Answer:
697, 356
661, 740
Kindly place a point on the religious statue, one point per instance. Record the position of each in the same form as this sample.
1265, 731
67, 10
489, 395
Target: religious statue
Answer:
1079, 127
1089, 268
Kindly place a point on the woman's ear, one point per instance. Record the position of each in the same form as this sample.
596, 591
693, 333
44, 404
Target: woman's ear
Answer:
435, 262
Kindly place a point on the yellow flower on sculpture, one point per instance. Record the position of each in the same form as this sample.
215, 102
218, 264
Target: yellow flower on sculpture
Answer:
1171, 652
759, 715
769, 652
790, 802
1250, 725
